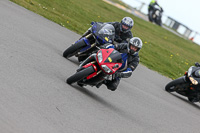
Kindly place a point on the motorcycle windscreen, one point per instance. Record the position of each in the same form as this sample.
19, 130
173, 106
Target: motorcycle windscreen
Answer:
114, 57
157, 12
106, 34
96, 27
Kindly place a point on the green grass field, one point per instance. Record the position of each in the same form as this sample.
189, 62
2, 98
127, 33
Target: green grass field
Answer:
162, 51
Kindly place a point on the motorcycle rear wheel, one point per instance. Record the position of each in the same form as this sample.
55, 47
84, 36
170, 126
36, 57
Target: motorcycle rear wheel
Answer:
73, 49
170, 85
80, 75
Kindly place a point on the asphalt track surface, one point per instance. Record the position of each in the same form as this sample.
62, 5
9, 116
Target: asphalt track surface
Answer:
34, 97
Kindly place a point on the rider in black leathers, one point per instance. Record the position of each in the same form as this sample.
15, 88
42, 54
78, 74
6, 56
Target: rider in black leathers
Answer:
152, 4
151, 8
122, 29
130, 56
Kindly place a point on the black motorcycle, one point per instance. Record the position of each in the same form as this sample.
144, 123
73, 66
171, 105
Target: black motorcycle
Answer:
99, 34
187, 85
155, 15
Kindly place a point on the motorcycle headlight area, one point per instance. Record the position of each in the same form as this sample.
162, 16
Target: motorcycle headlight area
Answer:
157, 13
100, 57
193, 81
106, 68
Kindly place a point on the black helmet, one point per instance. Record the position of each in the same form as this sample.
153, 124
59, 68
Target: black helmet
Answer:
135, 41
126, 24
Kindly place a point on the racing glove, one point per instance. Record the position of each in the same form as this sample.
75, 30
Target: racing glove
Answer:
118, 74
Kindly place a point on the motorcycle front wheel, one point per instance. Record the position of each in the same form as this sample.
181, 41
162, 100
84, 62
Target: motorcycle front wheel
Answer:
80, 75
170, 87
74, 49
193, 100
159, 22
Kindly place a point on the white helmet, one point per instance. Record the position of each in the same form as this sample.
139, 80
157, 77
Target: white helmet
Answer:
135, 41
126, 24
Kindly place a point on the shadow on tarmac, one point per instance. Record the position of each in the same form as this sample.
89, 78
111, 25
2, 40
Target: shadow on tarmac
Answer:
107, 104
186, 101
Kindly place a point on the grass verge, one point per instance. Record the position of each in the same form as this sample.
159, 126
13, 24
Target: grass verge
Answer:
162, 51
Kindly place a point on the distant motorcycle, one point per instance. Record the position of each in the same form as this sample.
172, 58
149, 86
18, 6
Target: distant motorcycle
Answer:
97, 68
101, 33
187, 85
155, 15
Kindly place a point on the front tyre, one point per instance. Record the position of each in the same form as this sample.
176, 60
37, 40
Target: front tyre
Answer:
150, 16
73, 49
80, 75
193, 100
159, 22
170, 87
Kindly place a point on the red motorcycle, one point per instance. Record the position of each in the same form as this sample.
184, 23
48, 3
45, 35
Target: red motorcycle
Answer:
97, 68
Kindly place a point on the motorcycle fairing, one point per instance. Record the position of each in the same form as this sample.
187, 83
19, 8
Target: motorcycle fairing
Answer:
109, 55
87, 42
93, 74
104, 34
113, 57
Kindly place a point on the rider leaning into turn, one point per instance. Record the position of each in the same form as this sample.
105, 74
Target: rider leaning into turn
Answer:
152, 4
122, 29
130, 56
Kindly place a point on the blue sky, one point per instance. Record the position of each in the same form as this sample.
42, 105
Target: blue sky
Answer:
186, 12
